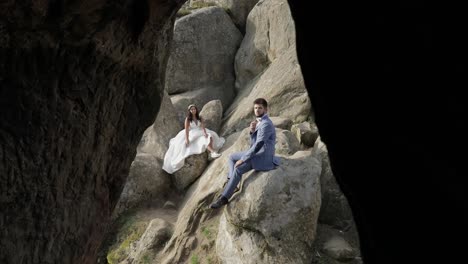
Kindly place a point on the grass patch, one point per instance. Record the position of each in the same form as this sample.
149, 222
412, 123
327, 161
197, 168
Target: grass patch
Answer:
207, 232
128, 231
194, 259
146, 259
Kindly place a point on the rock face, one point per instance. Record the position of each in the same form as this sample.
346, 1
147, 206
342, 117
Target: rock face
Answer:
157, 232
337, 248
212, 114
286, 143
78, 88
266, 66
305, 133
194, 166
269, 33
281, 82
200, 67
238, 9
155, 140
281, 122
274, 212
206, 188
147, 181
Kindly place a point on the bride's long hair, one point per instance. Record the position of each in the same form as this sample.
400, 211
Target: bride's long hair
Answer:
189, 115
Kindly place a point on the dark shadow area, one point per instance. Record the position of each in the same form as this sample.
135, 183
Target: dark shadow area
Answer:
139, 14
385, 80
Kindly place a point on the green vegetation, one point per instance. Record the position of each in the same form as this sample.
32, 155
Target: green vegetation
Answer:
129, 231
207, 232
146, 259
194, 259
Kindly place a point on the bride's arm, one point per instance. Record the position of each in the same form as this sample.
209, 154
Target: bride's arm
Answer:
187, 128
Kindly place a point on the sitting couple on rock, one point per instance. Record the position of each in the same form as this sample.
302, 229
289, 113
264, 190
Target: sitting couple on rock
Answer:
194, 139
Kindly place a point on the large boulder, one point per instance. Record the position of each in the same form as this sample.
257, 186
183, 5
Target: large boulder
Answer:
336, 246
155, 140
269, 33
194, 166
281, 122
281, 85
238, 9
146, 184
277, 210
286, 142
147, 181
200, 66
212, 113
154, 237
306, 133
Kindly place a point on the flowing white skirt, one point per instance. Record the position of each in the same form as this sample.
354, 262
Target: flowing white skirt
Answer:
175, 156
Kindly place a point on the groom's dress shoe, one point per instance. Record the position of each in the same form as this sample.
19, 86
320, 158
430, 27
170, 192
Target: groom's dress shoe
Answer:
220, 202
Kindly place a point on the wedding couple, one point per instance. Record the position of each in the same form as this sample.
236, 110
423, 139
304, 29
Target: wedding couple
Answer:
260, 156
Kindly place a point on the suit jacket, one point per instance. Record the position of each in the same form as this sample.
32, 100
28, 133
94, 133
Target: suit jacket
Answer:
262, 146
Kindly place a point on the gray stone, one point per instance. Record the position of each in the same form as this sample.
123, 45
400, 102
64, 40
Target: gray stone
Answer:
146, 183
193, 167
237, 9
275, 211
155, 140
281, 122
270, 32
212, 114
202, 57
286, 142
154, 237
282, 85
305, 133
169, 205
337, 248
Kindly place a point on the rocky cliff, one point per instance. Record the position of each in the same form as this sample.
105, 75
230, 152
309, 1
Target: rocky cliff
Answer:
79, 83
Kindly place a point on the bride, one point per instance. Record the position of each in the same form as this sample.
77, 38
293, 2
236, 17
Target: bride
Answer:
194, 139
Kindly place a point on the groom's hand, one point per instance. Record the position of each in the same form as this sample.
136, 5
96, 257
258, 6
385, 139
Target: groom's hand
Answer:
238, 163
253, 125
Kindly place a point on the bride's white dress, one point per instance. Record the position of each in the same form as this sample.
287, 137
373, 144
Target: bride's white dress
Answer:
178, 151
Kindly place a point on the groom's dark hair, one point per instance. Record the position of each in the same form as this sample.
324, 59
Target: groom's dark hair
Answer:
261, 101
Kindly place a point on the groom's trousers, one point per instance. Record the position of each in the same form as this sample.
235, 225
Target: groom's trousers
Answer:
235, 174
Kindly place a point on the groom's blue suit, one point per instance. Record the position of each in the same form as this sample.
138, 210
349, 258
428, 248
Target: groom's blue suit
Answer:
260, 156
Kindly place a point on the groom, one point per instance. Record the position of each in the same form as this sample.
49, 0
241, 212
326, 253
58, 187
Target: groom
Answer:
260, 156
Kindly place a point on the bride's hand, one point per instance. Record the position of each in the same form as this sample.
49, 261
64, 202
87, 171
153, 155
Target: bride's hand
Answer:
187, 142
206, 135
